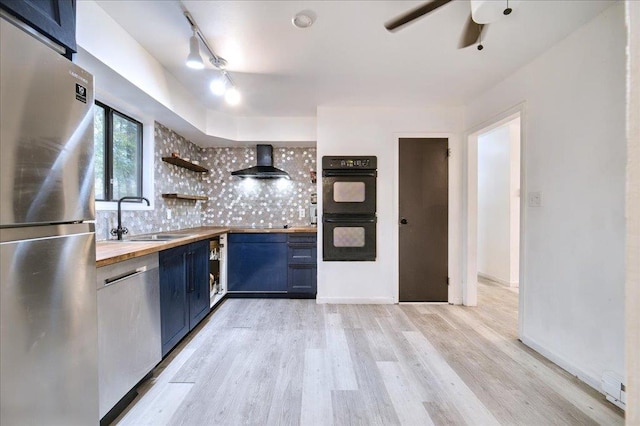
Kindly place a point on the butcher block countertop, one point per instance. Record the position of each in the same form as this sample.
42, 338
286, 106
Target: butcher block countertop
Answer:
111, 251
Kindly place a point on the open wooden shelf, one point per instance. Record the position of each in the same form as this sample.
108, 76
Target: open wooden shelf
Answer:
177, 161
185, 197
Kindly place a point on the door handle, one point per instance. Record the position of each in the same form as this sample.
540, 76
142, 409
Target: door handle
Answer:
403, 221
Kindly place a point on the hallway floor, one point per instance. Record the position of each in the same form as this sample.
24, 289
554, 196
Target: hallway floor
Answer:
290, 362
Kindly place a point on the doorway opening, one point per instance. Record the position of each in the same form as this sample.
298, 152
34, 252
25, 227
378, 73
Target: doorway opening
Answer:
498, 218
498, 244
494, 213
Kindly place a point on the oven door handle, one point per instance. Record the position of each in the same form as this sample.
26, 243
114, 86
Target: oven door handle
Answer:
350, 220
349, 173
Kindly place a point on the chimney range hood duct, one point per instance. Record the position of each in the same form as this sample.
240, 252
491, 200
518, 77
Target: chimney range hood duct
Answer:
264, 169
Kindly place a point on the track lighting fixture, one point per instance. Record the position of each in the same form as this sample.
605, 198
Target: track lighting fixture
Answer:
218, 85
232, 96
194, 60
221, 85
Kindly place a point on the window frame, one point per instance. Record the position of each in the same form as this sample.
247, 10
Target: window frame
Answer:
109, 113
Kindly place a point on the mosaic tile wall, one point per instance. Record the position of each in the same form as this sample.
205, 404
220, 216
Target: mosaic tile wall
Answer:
168, 179
257, 202
232, 201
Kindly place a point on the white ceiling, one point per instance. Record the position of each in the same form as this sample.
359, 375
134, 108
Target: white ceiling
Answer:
347, 58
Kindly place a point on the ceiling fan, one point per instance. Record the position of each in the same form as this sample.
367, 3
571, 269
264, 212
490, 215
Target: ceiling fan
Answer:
482, 13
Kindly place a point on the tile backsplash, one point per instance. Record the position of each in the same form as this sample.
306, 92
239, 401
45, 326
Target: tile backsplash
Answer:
232, 201
257, 202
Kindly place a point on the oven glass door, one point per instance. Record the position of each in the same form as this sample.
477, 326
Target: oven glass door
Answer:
349, 238
349, 194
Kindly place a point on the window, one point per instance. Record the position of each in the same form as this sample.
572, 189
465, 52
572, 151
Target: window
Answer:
117, 153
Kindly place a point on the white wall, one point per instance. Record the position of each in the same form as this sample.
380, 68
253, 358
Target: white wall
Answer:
633, 215
499, 203
572, 279
375, 131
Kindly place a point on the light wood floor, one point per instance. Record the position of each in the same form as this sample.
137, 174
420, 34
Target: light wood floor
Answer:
292, 362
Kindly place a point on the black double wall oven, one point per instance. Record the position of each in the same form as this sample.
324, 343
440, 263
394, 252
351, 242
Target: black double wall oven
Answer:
349, 208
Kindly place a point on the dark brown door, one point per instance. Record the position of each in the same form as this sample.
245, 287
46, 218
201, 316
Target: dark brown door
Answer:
424, 226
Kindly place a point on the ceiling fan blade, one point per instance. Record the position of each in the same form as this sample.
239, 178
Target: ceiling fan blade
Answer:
414, 14
471, 34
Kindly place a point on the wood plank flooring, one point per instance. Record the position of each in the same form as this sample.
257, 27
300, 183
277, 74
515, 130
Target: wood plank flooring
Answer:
293, 362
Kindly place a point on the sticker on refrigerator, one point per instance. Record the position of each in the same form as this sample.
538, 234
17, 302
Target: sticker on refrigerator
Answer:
81, 93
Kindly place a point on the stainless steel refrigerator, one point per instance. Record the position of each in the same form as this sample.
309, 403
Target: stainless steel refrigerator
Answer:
48, 315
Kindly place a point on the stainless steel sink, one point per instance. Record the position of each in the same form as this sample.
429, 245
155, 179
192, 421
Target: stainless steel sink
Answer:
158, 237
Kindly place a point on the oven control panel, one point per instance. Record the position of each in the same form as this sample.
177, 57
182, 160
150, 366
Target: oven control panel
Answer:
350, 163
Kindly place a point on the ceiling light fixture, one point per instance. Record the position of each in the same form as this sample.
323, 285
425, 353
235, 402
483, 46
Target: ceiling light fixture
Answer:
303, 19
232, 96
194, 60
218, 85
222, 85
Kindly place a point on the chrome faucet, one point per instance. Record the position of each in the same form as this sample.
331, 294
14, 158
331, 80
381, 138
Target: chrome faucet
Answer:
120, 230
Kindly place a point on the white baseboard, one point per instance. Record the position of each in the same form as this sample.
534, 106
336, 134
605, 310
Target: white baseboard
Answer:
455, 301
356, 300
497, 280
590, 380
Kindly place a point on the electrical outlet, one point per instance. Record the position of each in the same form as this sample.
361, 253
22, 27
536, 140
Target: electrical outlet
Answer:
535, 199
168, 213
301, 213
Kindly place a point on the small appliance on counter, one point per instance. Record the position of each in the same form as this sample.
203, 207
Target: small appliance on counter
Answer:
313, 210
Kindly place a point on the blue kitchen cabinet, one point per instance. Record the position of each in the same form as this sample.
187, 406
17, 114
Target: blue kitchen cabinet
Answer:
184, 291
257, 264
198, 282
174, 315
273, 264
302, 269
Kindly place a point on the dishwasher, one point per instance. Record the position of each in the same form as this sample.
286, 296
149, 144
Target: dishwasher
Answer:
129, 342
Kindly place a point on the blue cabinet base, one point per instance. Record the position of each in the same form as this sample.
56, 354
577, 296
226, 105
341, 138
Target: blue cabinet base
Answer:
184, 291
272, 265
241, 295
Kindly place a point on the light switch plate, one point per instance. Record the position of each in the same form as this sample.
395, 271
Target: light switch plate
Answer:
168, 213
301, 213
535, 199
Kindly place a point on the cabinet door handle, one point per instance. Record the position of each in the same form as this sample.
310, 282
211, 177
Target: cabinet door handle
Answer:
190, 284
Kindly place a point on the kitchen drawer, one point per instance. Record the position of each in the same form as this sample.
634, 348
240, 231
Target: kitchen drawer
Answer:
303, 238
258, 238
302, 253
302, 281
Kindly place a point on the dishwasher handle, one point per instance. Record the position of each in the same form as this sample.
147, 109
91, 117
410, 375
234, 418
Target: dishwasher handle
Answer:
121, 277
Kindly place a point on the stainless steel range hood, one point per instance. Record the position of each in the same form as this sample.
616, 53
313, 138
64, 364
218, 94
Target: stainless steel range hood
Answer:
264, 169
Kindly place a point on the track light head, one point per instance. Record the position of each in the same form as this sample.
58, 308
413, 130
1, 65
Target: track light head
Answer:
194, 60
218, 86
232, 96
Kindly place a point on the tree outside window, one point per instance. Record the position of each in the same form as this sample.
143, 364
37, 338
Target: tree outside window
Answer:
117, 153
